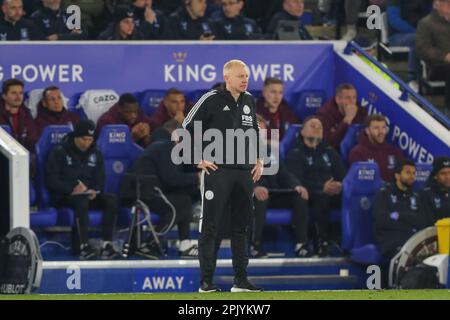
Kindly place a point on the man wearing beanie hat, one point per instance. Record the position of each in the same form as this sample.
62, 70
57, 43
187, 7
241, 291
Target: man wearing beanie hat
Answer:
122, 27
75, 178
436, 196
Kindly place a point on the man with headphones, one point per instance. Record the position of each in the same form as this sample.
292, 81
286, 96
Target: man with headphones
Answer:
189, 22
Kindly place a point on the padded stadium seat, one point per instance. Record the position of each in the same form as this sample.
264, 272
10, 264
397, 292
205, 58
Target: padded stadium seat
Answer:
279, 216
119, 153
73, 105
289, 139
256, 93
359, 187
150, 100
195, 95
96, 102
307, 102
423, 171
34, 97
42, 217
350, 140
7, 128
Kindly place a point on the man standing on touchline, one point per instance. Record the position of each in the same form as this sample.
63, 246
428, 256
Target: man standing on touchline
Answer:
227, 182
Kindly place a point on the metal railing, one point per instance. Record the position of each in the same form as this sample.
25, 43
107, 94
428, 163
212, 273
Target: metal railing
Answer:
406, 90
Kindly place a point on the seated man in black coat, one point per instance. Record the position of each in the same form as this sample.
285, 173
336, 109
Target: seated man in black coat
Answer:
320, 170
282, 190
176, 187
75, 178
398, 213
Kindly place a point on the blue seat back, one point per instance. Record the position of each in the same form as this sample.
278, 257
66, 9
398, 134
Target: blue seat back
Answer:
7, 128
359, 187
119, 152
307, 102
350, 140
50, 136
150, 100
195, 95
289, 139
423, 171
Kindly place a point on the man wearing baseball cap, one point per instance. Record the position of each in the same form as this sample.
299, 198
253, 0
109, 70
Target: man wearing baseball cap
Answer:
75, 178
436, 196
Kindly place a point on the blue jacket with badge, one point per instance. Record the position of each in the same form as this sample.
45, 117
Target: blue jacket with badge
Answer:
398, 215
436, 201
66, 164
314, 167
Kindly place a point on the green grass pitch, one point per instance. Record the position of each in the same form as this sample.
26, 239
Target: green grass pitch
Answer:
275, 295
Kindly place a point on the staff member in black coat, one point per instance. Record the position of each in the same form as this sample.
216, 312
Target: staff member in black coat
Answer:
189, 22
232, 25
75, 178
176, 187
320, 170
397, 211
13, 27
230, 180
281, 190
436, 196
51, 22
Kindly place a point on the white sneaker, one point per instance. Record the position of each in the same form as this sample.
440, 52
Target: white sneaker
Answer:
414, 85
350, 34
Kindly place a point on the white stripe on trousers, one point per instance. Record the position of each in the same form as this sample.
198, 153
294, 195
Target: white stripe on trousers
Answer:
202, 191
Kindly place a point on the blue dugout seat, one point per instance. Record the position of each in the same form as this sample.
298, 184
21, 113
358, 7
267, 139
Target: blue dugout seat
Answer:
350, 140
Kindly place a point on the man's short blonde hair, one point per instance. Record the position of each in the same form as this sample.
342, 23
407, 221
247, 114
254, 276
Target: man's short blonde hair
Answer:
231, 64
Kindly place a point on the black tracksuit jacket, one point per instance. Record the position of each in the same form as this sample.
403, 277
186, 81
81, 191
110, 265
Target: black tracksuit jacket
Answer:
398, 215
217, 109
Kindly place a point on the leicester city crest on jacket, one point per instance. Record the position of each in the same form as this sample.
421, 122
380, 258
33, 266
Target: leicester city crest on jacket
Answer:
393, 198
413, 203
24, 34
69, 160
248, 28
391, 161
326, 158
184, 25
46, 23
437, 203
3, 36
309, 160
205, 27
228, 28
92, 160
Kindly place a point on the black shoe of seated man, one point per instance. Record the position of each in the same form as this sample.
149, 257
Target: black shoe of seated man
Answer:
108, 252
191, 252
207, 287
256, 251
87, 252
303, 251
324, 249
245, 286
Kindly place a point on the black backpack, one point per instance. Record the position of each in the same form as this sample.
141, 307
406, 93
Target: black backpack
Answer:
420, 276
20, 262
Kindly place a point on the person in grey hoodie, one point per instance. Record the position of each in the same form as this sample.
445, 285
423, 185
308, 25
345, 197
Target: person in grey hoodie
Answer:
433, 43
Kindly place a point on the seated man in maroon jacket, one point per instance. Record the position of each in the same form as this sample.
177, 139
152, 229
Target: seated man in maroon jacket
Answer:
273, 108
372, 146
15, 114
173, 106
127, 111
51, 110
339, 113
